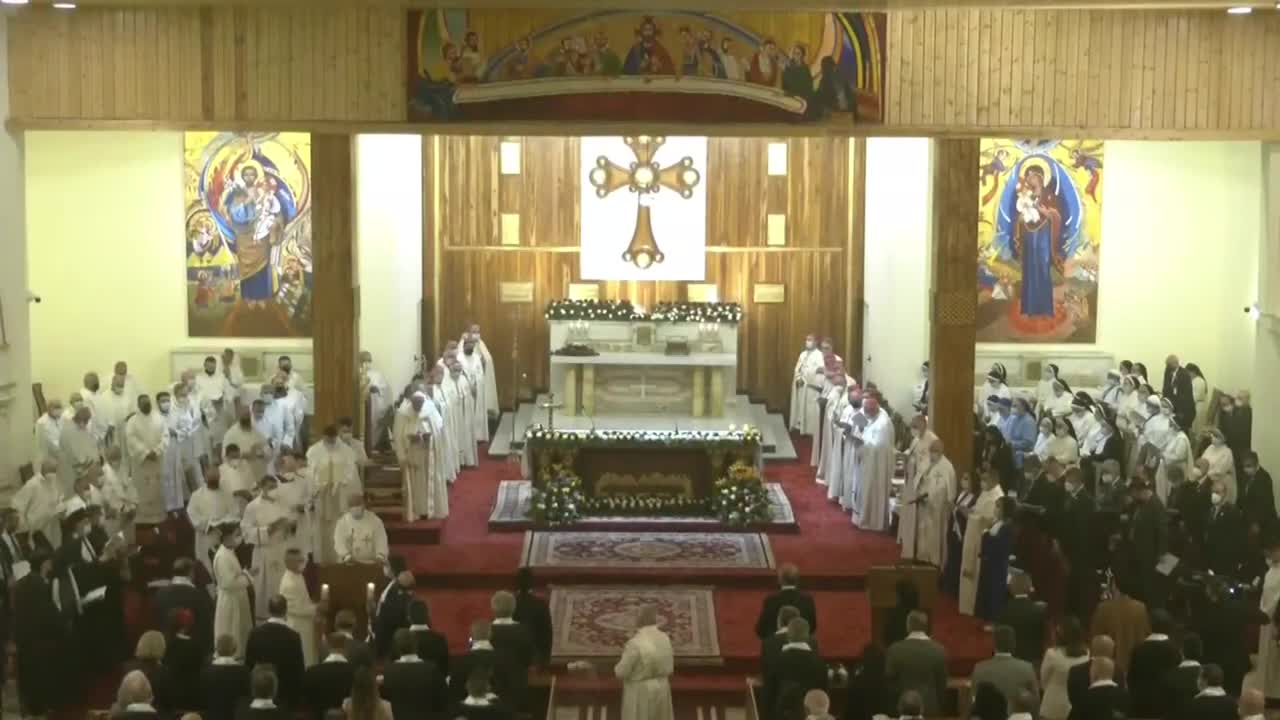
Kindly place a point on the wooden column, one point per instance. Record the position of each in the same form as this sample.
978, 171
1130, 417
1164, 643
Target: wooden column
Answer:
335, 293
955, 297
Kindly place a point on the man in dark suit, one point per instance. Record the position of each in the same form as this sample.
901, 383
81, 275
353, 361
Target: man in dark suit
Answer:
918, 663
1080, 676
479, 703
1256, 496
38, 637
414, 686
224, 682
275, 643
1177, 387
789, 594
393, 611
1184, 681
1077, 545
181, 592
534, 613
263, 685
327, 683
1008, 674
1027, 618
772, 646
796, 671
499, 669
513, 640
1222, 624
135, 699
1153, 659
432, 646
1105, 699
1226, 535
1148, 536
1212, 702
12, 548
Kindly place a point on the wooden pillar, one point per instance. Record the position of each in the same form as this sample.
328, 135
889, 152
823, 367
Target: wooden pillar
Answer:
955, 297
335, 292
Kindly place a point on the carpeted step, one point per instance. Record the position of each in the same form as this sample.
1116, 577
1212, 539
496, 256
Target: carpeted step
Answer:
417, 533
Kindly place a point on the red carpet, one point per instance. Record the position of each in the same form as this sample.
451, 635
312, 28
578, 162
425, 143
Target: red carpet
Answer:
458, 576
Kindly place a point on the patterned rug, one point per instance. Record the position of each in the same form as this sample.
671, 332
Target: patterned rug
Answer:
595, 622
647, 550
512, 508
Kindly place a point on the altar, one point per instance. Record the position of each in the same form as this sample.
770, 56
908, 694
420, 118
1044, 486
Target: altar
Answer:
611, 359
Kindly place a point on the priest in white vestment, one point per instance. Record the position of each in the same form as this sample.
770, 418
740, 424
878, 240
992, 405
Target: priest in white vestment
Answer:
173, 464
293, 378
290, 408
48, 432
380, 397
255, 448
114, 408
836, 389
490, 373
201, 445
232, 614
446, 458
37, 501
148, 442
876, 453
981, 517
806, 386
359, 535
132, 388
231, 370
268, 526
415, 447
458, 392
78, 450
645, 671
297, 494
92, 393
918, 461
301, 615
212, 385
841, 455
336, 479
209, 506
934, 492
120, 495
473, 366
237, 478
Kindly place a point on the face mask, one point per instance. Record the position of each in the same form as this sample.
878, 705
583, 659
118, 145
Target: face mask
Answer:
468, 351
857, 404
1217, 441
808, 345
1250, 471
347, 437
164, 406
1108, 478
357, 512
934, 457
1216, 498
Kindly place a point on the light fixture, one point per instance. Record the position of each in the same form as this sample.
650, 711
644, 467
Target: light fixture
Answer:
1240, 10
64, 5
14, 2
1254, 311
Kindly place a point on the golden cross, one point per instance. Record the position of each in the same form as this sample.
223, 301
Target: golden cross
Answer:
644, 177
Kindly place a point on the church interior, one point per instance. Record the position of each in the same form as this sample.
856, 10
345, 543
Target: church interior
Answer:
927, 190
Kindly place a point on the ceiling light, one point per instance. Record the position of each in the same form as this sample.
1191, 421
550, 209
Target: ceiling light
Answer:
65, 5
14, 2
1240, 10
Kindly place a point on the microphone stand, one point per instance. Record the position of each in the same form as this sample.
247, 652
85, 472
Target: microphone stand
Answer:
915, 527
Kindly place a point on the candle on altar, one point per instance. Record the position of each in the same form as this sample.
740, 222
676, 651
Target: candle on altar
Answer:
369, 592
324, 592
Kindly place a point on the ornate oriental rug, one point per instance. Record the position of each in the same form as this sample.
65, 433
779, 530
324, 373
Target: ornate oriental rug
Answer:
511, 509
646, 550
596, 621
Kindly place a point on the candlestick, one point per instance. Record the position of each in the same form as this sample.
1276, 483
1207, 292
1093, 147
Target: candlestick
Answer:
369, 588
324, 592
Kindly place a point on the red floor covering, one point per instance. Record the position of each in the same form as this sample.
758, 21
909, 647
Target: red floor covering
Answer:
459, 575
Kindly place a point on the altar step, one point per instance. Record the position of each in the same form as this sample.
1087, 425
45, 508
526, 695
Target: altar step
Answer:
383, 495
739, 411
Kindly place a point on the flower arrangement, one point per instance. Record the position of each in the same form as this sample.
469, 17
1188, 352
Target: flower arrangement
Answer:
747, 436
560, 500
740, 498
647, 506
623, 310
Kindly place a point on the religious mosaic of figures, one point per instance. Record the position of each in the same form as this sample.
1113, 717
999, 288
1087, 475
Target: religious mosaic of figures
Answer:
248, 234
676, 66
1039, 241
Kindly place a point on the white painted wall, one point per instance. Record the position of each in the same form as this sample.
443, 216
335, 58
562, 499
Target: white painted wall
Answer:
16, 405
1266, 383
1181, 227
898, 265
389, 247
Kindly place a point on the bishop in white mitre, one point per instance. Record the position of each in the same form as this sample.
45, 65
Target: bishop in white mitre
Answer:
414, 446
836, 396
208, 506
336, 479
380, 399
935, 491
490, 374
255, 448
147, 437
473, 366
36, 503
876, 454
807, 383
645, 671
267, 525
359, 535
457, 390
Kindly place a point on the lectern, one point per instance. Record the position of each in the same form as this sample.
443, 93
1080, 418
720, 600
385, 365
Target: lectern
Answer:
882, 593
349, 589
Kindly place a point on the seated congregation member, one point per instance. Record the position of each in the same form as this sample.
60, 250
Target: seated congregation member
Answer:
365, 703
135, 699
770, 649
1104, 699
184, 659
182, 594
1149, 667
1056, 667
1184, 681
432, 646
918, 663
263, 701
499, 669
1027, 617
479, 702
869, 694
393, 608
276, 644
1101, 647
1226, 542
224, 682
327, 684
1006, 673
789, 594
1212, 702
796, 670
415, 687
148, 658
535, 614
513, 640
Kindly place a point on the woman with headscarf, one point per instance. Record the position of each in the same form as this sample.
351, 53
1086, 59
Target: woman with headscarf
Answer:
1128, 396
1083, 423
1222, 462
1103, 444
1020, 430
1140, 371
920, 393
1044, 388
1112, 392
1041, 449
997, 457
996, 387
1199, 393
1176, 450
1063, 446
1060, 404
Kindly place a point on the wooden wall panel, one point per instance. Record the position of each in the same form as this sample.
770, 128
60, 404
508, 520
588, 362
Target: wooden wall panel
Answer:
1104, 73
815, 266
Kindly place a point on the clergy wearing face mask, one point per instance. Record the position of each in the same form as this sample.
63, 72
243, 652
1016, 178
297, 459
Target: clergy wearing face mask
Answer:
806, 384
232, 614
334, 472
114, 408
48, 432
490, 385
148, 444
1222, 463
254, 448
301, 614
359, 535
209, 506
267, 525
842, 467
876, 453
1225, 538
